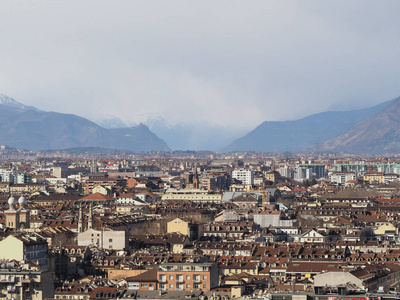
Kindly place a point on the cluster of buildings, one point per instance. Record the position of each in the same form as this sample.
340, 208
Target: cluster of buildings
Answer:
199, 227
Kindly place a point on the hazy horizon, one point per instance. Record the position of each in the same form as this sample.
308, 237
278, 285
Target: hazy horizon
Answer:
229, 64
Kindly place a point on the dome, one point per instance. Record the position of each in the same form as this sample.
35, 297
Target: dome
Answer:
22, 200
12, 201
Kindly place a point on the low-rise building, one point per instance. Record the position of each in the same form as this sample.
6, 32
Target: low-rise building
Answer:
104, 238
191, 195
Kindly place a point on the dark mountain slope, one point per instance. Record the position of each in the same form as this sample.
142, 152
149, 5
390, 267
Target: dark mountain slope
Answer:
36, 130
276, 136
377, 134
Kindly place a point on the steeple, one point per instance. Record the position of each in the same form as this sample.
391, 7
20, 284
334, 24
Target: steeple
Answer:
24, 213
12, 215
90, 221
195, 179
80, 220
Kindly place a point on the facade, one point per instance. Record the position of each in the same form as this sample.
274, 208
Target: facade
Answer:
17, 283
64, 172
193, 231
389, 168
129, 199
245, 176
236, 230
272, 219
191, 195
358, 169
12, 176
374, 177
92, 182
309, 171
24, 247
188, 276
272, 176
285, 172
341, 178
27, 188
104, 238
312, 236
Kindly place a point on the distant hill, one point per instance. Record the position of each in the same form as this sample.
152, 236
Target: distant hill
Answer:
378, 134
283, 136
38, 130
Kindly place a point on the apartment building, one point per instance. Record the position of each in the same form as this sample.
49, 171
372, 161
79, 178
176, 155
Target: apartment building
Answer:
21, 282
245, 176
188, 276
341, 177
25, 247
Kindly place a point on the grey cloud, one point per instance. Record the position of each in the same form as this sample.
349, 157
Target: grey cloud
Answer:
227, 63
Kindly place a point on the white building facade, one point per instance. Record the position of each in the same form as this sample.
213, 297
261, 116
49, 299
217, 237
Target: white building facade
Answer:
245, 176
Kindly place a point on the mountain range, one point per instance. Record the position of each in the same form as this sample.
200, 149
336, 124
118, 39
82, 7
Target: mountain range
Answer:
373, 130
297, 135
180, 136
30, 128
378, 134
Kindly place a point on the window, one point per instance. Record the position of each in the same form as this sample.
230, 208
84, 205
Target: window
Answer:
143, 285
187, 277
204, 277
204, 286
110, 240
171, 286
188, 286
171, 277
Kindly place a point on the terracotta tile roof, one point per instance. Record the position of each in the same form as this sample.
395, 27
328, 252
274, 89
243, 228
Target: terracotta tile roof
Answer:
96, 196
150, 275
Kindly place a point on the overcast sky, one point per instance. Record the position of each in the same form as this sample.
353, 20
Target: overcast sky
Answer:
233, 63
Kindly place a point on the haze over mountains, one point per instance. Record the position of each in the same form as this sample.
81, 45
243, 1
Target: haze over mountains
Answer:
180, 136
29, 128
371, 130
283, 136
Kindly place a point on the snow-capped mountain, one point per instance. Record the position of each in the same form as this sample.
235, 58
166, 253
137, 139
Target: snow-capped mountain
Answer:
7, 101
110, 122
29, 128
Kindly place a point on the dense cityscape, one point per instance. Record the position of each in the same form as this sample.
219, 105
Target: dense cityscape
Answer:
201, 225
210, 150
